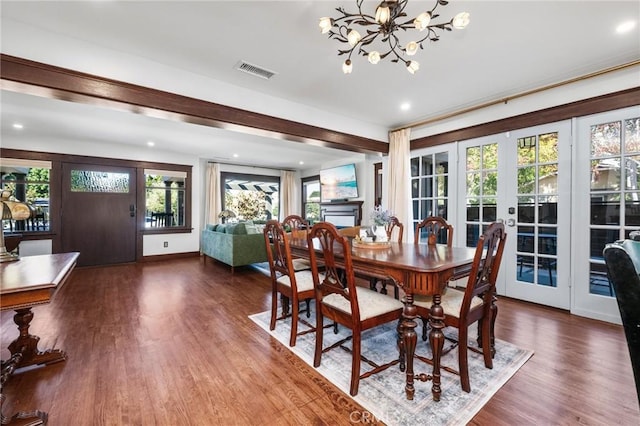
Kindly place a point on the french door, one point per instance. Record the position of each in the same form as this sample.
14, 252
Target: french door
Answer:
522, 178
607, 192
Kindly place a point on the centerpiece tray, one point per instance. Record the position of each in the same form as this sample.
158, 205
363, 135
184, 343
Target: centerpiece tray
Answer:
357, 243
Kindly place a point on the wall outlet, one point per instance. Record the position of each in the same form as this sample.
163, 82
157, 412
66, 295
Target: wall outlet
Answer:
166, 244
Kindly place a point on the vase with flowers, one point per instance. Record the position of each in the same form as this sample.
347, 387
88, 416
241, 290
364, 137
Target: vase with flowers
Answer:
380, 218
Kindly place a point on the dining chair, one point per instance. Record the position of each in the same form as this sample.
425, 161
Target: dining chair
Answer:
298, 227
293, 287
435, 229
394, 226
338, 298
475, 304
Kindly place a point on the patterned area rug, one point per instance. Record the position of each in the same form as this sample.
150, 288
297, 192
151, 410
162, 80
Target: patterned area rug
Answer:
383, 394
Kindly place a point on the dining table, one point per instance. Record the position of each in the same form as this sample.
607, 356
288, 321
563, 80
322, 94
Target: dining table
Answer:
418, 269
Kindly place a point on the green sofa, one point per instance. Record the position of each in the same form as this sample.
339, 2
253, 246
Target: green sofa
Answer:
235, 244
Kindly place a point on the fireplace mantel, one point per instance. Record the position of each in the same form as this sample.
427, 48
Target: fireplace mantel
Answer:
343, 213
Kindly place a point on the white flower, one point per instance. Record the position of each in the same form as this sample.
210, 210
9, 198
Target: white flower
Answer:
379, 216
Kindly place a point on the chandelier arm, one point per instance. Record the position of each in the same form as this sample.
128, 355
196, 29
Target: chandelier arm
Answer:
341, 29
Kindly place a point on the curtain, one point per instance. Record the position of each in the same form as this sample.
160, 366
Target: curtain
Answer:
213, 204
288, 194
400, 180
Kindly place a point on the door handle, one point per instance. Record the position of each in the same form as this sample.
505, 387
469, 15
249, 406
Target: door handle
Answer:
511, 222
132, 210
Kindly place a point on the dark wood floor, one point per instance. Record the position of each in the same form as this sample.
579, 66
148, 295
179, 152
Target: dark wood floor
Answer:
169, 343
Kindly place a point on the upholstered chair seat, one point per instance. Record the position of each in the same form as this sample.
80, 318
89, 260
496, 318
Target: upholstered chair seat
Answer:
304, 280
371, 303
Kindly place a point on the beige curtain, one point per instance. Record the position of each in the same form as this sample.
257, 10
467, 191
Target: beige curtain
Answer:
289, 191
213, 197
399, 179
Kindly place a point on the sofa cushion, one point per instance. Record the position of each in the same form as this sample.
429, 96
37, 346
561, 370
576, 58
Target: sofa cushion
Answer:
221, 228
211, 227
236, 228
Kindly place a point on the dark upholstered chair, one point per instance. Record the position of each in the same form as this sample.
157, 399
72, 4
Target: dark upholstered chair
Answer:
623, 267
339, 299
475, 303
292, 286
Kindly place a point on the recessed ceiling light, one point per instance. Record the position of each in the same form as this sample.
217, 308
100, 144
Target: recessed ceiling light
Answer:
301, 162
625, 27
235, 155
406, 106
18, 126
151, 143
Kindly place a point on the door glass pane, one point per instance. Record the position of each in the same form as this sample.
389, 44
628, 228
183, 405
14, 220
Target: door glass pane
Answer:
526, 180
632, 209
526, 209
548, 179
97, 181
605, 139
548, 152
473, 158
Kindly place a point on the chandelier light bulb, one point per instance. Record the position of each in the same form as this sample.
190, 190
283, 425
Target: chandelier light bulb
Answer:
325, 24
411, 48
347, 67
460, 21
413, 66
374, 57
354, 37
382, 15
422, 21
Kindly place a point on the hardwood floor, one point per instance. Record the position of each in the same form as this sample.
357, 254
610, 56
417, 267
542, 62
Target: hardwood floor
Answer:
170, 343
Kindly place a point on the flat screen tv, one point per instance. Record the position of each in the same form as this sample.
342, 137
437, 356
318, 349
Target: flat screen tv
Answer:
338, 183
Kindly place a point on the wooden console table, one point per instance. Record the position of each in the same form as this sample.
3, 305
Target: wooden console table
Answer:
26, 283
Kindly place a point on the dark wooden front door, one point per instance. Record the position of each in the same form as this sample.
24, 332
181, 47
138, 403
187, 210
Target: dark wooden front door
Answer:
99, 213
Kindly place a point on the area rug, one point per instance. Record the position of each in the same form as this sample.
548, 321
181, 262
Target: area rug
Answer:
383, 394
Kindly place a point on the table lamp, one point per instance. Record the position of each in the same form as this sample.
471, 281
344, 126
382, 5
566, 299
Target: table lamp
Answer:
15, 210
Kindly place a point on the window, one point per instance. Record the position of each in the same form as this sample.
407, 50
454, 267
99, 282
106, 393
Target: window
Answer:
251, 197
28, 180
165, 200
311, 198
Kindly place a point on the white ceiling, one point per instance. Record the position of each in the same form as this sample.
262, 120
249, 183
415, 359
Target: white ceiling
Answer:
509, 47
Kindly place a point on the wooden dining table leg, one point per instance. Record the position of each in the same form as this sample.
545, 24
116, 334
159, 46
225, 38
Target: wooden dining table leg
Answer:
436, 338
409, 339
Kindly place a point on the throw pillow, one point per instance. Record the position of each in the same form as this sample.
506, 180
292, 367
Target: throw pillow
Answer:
221, 228
211, 227
251, 229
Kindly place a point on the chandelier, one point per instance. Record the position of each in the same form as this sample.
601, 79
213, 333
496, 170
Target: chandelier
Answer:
390, 18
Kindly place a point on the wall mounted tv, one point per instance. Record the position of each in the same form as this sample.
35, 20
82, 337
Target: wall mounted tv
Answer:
338, 183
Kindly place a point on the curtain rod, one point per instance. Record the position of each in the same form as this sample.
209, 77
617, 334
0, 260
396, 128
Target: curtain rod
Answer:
519, 95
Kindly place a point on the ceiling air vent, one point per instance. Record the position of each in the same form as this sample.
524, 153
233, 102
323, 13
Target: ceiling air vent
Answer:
254, 70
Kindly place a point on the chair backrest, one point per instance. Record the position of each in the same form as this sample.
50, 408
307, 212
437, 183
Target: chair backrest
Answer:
393, 225
622, 259
335, 280
436, 230
278, 251
297, 225
485, 267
